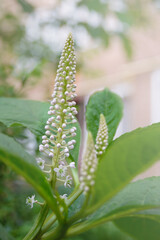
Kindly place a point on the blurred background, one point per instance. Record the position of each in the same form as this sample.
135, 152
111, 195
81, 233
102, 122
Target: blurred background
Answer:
118, 46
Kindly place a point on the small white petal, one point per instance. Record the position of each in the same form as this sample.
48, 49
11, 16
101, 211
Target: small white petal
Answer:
72, 164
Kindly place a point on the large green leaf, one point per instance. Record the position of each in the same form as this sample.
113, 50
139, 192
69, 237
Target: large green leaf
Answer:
110, 105
126, 157
137, 196
140, 228
144, 225
107, 231
24, 164
30, 114
134, 199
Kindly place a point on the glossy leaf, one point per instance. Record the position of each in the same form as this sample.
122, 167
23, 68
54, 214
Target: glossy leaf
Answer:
140, 228
126, 157
107, 231
110, 105
32, 115
131, 201
24, 164
137, 196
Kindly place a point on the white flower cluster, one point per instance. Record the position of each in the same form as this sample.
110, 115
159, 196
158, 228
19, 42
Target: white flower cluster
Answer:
102, 136
88, 166
58, 139
60, 132
59, 127
90, 161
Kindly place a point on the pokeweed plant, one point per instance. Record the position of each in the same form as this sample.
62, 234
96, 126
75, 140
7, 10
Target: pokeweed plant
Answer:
78, 197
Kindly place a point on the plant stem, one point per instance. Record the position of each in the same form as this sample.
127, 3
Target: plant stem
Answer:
80, 213
57, 234
74, 195
48, 224
51, 220
38, 224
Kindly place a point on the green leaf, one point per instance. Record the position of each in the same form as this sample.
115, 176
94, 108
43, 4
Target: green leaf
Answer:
140, 228
28, 113
131, 201
137, 196
126, 157
110, 105
144, 225
107, 231
24, 164
32, 115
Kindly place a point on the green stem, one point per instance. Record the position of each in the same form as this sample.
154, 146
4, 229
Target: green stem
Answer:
52, 219
48, 223
76, 193
79, 214
57, 234
38, 224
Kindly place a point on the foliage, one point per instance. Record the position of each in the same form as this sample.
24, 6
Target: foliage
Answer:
110, 105
104, 192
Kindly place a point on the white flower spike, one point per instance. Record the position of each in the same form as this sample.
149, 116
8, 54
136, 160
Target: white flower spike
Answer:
88, 166
59, 130
102, 136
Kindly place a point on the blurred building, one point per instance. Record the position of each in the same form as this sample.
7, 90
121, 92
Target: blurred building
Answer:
137, 80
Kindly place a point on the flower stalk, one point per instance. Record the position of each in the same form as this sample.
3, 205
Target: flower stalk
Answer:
60, 132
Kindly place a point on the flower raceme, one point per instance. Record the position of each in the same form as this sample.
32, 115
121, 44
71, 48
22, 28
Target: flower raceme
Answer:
102, 136
90, 160
60, 130
88, 166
